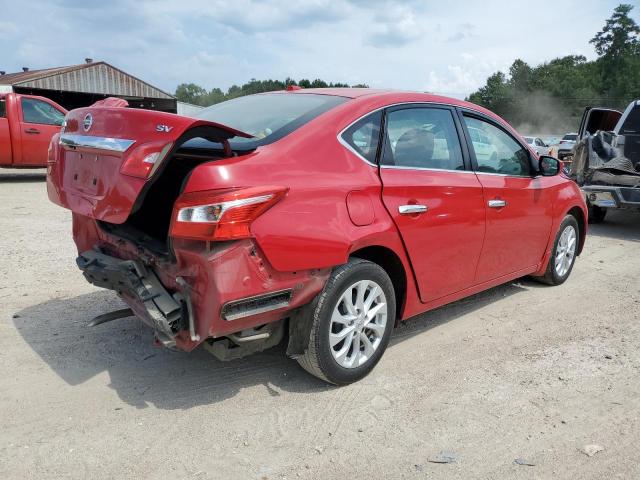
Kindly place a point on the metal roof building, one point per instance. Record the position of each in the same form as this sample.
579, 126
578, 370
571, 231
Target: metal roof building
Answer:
81, 85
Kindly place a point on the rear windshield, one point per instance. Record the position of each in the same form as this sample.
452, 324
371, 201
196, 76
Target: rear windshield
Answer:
570, 137
268, 116
529, 140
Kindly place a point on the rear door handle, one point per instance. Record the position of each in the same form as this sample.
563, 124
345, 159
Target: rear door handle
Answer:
497, 203
411, 209
32, 130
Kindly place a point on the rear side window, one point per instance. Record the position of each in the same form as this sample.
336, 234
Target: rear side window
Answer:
364, 136
500, 152
3, 109
37, 111
422, 137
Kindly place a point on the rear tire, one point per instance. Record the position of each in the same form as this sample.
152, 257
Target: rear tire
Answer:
596, 214
352, 322
563, 255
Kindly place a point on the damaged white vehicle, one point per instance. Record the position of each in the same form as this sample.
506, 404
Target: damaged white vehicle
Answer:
606, 161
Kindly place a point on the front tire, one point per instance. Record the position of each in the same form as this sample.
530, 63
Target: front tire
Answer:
352, 322
563, 255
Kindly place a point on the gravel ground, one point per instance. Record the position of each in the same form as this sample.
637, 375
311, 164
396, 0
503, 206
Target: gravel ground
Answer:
522, 371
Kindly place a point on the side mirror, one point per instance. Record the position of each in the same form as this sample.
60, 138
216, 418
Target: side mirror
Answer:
548, 166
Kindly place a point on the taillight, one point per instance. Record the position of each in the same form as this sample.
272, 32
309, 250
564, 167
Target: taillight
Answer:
222, 215
144, 160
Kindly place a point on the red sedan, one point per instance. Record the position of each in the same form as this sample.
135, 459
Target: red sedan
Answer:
323, 216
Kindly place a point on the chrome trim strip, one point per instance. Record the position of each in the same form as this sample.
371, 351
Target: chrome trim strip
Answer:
352, 150
258, 310
398, 167
506, 175
99, 143
465, 107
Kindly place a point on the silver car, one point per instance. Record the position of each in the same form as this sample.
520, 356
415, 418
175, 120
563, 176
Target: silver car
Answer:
538, 145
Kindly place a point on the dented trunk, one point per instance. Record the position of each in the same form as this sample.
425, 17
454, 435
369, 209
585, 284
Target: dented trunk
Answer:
106, 159
122, 172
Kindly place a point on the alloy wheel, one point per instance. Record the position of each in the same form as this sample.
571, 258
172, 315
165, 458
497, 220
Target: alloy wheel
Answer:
566, 250
358, 324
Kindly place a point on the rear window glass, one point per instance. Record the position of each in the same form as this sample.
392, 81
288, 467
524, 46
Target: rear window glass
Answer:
529, 140
570, 137
268, 117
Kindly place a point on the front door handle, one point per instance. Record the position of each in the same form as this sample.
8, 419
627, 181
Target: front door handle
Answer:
497, 203
32, 130
411, 209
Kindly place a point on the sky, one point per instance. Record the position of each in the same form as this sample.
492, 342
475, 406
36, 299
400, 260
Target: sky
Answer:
444, 47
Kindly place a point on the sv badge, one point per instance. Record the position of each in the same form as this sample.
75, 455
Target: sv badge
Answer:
163, 128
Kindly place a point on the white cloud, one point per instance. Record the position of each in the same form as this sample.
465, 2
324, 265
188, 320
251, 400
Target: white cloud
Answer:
416, 45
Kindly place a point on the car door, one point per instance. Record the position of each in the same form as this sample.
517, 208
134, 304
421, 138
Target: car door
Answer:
518, 203
40, 121
434, 198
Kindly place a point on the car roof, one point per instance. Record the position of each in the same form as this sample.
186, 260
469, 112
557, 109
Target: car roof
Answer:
388, 96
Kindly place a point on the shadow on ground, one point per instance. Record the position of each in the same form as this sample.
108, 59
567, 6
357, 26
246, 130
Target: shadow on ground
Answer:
143, 374
618, 224
19, 176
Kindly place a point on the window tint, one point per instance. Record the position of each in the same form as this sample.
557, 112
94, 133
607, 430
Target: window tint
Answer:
423, 138
3, 109
364, 136
501, 153
37, 111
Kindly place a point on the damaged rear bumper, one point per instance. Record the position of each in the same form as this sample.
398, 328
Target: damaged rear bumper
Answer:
166, 313
203, 292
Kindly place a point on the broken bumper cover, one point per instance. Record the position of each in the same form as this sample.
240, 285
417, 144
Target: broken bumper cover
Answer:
611, 196
136, 282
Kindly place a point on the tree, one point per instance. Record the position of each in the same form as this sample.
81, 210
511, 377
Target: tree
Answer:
195, 94
618, 44
619, 36
552, 96
191, 93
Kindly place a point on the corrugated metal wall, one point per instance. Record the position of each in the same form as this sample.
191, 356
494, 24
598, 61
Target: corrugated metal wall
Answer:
99, 78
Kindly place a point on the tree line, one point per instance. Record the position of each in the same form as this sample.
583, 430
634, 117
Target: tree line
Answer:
550, 98
547, 98
197, 95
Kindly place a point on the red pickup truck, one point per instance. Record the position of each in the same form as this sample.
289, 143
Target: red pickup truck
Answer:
27, 124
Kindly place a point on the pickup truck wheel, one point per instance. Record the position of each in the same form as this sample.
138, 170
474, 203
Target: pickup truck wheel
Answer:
563, 255
596, 214
352, 323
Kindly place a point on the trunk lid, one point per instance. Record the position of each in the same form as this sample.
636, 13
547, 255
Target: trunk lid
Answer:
97, 164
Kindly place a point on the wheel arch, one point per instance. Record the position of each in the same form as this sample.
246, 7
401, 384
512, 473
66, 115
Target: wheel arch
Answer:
392, 264
580, 217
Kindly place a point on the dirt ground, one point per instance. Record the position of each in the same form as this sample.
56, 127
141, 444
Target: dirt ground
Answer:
522, 371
